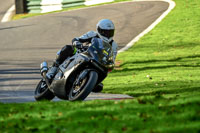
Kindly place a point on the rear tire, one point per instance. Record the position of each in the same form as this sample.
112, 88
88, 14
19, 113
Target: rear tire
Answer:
42, 92
85, 89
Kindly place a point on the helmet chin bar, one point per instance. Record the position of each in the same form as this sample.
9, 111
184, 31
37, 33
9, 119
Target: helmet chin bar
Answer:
105, 39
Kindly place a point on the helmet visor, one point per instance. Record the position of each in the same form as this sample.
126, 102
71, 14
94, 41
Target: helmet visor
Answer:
106, 33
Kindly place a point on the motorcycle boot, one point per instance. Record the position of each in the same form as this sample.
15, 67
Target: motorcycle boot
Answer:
52, 72
98, 88
61, 55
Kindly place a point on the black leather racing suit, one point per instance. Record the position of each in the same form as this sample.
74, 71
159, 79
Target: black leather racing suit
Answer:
69, 50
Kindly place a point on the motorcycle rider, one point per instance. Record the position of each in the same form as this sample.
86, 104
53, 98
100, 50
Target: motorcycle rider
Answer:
104, 30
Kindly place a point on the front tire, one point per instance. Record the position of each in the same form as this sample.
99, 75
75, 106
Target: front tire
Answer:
80, 92
42, 92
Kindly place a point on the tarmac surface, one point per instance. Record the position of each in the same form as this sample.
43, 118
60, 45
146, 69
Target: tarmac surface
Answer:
28, 42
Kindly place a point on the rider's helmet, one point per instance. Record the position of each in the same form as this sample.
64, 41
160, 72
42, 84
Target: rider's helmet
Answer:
105, 30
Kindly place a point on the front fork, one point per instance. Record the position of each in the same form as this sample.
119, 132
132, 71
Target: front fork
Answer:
81, 76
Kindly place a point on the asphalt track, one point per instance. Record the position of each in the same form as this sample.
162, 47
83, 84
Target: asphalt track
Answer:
25, 43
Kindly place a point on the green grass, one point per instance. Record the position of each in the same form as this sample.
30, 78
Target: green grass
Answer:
144, 115
161, 71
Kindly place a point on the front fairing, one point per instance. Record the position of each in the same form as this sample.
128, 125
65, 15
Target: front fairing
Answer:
101, 52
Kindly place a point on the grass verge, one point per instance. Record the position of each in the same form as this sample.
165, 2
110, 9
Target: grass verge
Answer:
161, 71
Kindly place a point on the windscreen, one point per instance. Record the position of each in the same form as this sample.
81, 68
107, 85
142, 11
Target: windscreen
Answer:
101, 51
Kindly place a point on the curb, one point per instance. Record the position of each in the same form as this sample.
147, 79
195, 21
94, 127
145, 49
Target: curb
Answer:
23, 98
107, 96
8, 16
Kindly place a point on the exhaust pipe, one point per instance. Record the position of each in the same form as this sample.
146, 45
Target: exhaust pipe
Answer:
43, 70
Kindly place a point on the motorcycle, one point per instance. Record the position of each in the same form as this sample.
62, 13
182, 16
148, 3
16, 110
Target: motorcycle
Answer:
78, 75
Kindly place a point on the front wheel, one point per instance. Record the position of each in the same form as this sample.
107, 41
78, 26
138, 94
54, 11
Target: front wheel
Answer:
83, 86
42, 92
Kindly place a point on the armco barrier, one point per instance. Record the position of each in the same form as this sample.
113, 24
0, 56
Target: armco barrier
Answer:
42, 6
21, 6
72, 3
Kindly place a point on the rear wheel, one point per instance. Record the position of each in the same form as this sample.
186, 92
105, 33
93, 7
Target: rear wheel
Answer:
81, 88
42, 92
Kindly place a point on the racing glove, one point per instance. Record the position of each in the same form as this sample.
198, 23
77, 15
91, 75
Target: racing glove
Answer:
77, 44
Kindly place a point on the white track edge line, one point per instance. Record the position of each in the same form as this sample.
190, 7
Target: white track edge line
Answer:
7, 17
172, 4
